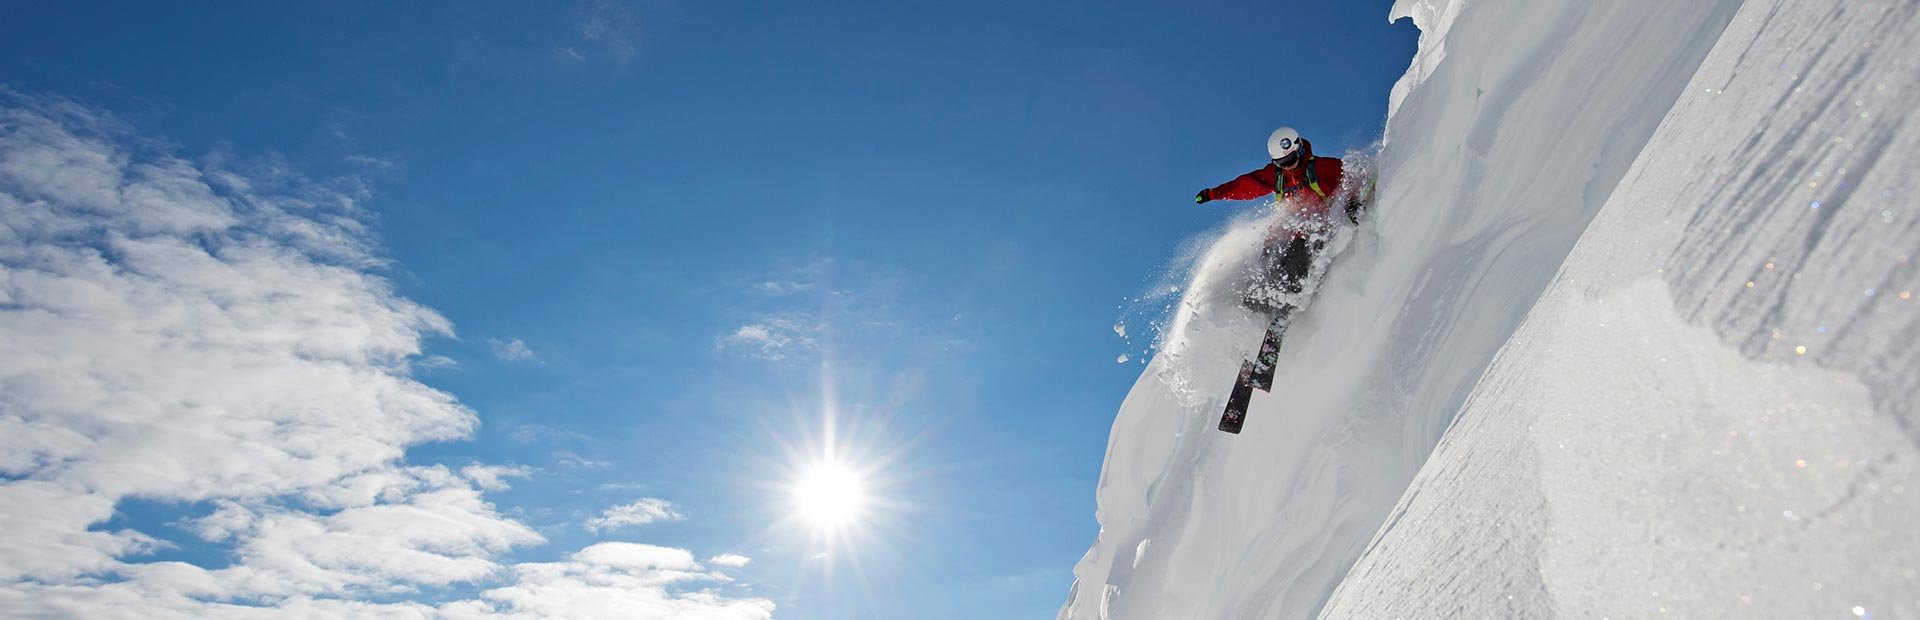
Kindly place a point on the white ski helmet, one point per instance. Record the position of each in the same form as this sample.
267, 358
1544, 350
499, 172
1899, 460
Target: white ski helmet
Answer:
1284, 141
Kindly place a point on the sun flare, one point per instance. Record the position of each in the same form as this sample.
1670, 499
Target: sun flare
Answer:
829, 496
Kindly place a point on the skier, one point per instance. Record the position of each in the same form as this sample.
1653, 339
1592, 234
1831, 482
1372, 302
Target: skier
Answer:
1305, 184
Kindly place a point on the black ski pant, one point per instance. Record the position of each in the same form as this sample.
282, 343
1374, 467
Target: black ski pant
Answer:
1288, 263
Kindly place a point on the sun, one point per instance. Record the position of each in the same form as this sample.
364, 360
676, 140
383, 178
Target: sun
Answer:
829, 496
838, 487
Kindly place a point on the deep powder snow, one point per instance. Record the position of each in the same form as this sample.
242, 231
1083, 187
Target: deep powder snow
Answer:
1712, 410
1509, 132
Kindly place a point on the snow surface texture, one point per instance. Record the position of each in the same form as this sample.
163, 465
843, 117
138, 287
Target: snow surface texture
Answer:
1711, 411
1499, 153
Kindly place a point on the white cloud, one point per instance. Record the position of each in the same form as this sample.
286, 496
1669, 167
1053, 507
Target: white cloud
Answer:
792, 276
730, 560
213, 338
781, 288
774, 338
437, 537
792, 310
375, 165
613, 26
512, 351
493, 477
529, 433
614, 580
572, 460
606, 580
176, 336
641, 512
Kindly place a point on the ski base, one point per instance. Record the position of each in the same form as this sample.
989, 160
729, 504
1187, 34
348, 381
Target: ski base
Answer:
1269, 355
1256, 373
1236, 413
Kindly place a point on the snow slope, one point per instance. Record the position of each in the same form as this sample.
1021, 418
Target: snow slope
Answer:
1509, 132
1712, 411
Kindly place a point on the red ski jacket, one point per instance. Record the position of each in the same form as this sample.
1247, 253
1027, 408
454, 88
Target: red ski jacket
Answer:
1293, 184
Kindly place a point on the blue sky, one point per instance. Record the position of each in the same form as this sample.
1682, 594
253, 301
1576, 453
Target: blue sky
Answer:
670, 235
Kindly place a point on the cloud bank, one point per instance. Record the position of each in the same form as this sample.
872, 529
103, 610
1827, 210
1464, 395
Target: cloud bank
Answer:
217, 339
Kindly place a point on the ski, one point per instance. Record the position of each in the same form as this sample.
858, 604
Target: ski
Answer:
1269, 355
1236, 413
1255, 373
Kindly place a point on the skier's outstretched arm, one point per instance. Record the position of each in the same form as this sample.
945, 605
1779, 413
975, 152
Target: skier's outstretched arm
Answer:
1244, 187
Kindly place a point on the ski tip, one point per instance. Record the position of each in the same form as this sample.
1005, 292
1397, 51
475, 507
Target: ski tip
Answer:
1231, 421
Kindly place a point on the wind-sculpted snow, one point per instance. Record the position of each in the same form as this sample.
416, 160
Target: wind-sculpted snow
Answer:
1711, 412
1498, 154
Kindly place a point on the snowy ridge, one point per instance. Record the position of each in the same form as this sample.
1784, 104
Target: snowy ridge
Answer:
1711, 412
1433, 18
1499, 153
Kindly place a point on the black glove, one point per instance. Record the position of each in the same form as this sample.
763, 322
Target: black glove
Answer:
1201, 197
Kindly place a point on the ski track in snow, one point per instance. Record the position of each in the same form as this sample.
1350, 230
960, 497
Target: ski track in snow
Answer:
1499, 153
1711, 413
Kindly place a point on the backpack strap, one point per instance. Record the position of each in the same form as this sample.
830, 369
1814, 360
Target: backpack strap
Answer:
1312, 178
